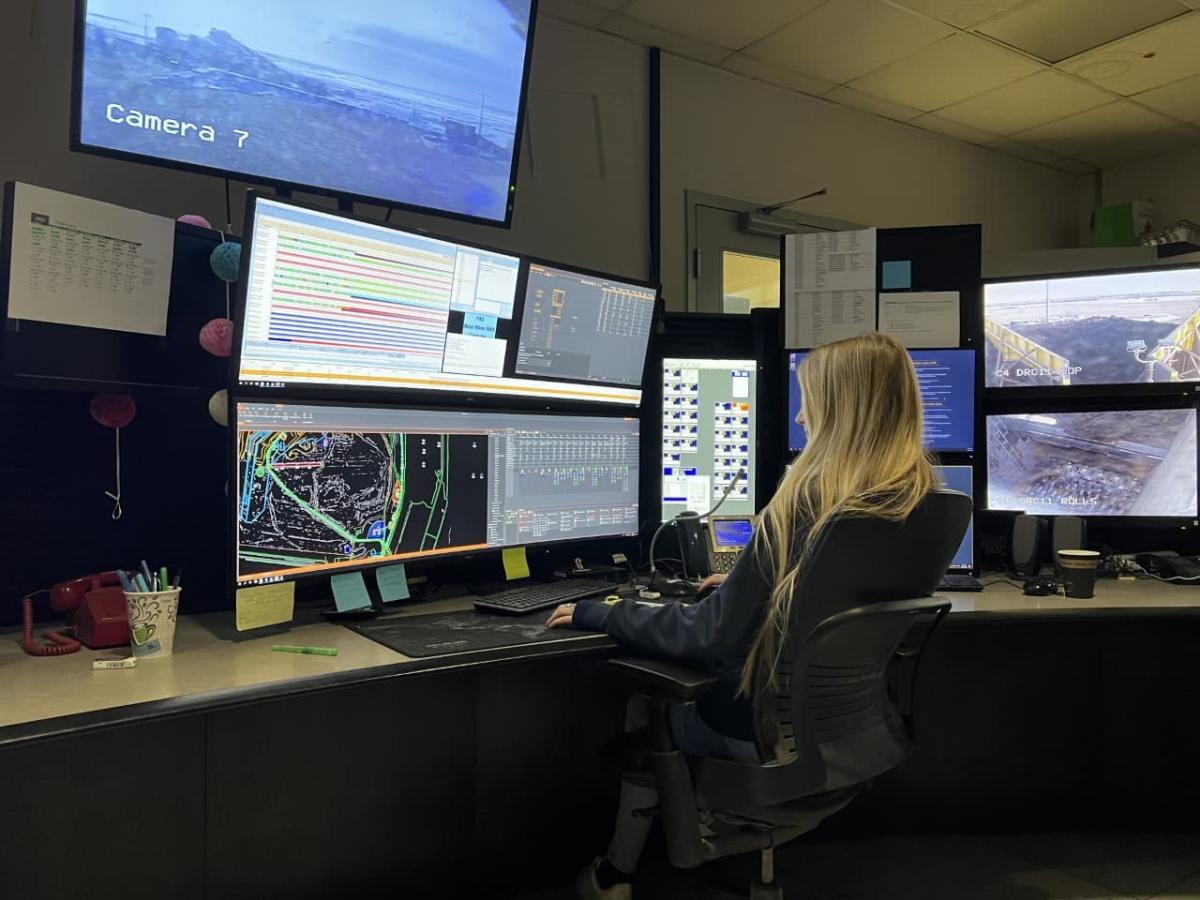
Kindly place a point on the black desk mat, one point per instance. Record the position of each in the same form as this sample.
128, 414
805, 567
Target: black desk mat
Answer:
459, 632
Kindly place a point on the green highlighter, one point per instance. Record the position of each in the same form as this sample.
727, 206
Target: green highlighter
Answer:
318, 651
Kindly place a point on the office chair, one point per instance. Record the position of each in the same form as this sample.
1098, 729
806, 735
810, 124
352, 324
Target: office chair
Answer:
842, 712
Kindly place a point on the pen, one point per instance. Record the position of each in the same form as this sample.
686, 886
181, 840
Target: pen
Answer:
163, 583
319, 651
139, 582
149, 577
126, 584
178, 575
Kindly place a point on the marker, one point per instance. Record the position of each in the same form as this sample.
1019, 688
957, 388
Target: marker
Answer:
318, 651
178, 575
146, 572
162, 579
139, 582
126, 584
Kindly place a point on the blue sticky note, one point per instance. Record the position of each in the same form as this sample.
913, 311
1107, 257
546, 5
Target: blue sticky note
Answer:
393, 583
897, 275
349, 591
479, 325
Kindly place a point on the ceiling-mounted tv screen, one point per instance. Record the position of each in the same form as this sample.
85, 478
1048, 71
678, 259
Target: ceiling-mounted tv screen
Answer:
414, 104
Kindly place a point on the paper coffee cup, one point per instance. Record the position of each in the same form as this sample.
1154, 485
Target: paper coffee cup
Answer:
1079, 572
152, 616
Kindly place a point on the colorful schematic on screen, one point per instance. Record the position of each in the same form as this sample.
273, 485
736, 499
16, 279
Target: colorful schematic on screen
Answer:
1136, 463
414, 103
327, 487
709, 421
336, 301
1126, 328
947, 381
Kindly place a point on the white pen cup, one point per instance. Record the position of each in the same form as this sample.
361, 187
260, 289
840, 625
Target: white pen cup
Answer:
152, 617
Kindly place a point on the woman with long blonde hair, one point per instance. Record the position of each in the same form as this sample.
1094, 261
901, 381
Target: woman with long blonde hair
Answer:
861, 408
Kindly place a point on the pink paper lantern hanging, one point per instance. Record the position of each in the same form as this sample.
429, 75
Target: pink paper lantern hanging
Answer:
217, 337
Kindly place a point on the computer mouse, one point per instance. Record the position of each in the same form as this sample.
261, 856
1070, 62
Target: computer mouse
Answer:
1041, 587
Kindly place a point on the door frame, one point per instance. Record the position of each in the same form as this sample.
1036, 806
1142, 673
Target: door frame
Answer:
695, 200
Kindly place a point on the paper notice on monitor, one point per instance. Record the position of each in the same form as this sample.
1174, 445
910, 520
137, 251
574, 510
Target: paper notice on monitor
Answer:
829, 287
920, 319
81, 262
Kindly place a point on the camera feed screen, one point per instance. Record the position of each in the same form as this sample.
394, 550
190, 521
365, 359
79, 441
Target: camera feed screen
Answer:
1122, 463
1128, 328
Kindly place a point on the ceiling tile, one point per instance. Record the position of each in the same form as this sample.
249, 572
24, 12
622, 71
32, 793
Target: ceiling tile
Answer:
581, 12
842, 39
931, 122
1022, 151
948, 72
1074, 166
649, 36
1095, 129
962, 13
717, 21
1040, 98
1146, 146
1181, 99
778, 75
852, 98
1154, 57
1054, 30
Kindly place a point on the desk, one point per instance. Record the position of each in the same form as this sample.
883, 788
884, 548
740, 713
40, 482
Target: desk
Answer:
256, 774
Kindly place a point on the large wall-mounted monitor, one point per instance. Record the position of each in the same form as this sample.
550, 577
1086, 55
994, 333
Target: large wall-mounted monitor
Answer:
1125, 328
579, 326
333, 301
415, 104
709, 418
1139, 463
947, 381
323, 488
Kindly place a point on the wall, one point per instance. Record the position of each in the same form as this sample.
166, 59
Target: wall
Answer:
731, 136
582, 183
1171, 181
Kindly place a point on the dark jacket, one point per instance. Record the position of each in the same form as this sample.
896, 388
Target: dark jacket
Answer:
715, 633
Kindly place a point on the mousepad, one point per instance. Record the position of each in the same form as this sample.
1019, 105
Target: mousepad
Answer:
460, 632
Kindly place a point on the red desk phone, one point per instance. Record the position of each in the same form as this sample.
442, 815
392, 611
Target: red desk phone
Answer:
98, 603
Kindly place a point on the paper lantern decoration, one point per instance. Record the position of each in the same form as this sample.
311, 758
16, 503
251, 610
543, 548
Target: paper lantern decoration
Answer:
114, 411
195, 219
217, 337
218, 407
226, 260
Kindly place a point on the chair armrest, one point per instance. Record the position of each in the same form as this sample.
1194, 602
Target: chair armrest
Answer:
662, 679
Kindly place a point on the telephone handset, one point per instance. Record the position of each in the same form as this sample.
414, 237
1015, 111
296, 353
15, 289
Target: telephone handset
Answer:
100, 620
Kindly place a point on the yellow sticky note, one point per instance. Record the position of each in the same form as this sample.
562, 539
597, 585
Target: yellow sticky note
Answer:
268, 604
516, 564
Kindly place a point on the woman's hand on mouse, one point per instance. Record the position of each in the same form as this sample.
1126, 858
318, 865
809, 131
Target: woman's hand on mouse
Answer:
562, 616
712, 581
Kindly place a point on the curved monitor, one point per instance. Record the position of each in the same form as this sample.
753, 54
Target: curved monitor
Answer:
415, 104
325, 488
1124, 328
336, 302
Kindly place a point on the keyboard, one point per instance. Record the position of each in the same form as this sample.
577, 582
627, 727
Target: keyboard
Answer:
529, 599
960, 583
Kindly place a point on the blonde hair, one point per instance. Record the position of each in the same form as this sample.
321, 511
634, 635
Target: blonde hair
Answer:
862, 409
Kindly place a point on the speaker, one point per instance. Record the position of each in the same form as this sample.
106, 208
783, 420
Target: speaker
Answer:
1029, 536
1070, 533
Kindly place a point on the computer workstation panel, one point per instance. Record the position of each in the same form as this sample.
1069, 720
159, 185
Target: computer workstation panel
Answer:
335, 306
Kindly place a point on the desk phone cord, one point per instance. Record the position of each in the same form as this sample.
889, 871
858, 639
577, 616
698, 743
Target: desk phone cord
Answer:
60, 644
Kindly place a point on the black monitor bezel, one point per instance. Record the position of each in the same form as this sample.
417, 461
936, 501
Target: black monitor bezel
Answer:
519, 317
1061, 405
1073, 392
416, 563
77, 145
415, 395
